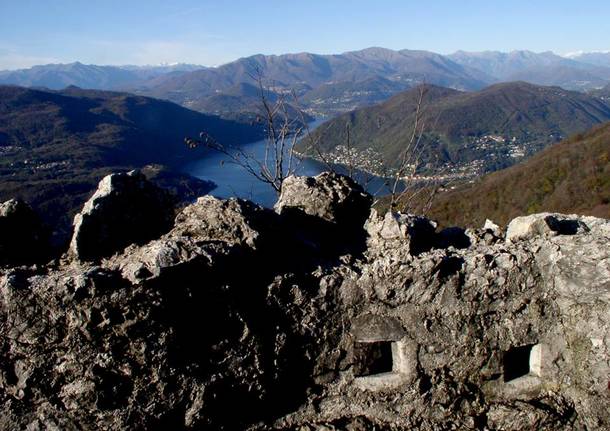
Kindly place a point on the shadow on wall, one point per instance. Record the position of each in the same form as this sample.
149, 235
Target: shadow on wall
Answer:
384, 358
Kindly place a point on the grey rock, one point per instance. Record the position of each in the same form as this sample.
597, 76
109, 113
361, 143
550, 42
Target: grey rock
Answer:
234, 221
328, 196
410, 233
125, 209
207, 228
223, 322
490, 225
528, 227
487, 236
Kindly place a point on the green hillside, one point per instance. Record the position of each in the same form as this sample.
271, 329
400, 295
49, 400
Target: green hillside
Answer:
494, 127
570, 177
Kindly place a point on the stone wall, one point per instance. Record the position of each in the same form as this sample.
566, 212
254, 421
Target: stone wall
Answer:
314, 317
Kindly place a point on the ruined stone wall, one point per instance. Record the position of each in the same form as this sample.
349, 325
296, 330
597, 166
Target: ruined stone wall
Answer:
319, 315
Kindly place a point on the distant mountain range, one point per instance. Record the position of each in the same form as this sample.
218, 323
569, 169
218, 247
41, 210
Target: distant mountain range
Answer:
570, 177
306, 72
242, 102
595, 58
473, 131
56, 146
325, 84
89, 76
544, 68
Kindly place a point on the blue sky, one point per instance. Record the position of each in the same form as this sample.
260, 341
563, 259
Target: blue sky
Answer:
214, 32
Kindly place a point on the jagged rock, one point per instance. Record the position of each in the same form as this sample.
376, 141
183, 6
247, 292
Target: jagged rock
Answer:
222, 224
527, 227
228, 324
411, 233
328, 196
23, 238
125, 209
234, 221
325, 213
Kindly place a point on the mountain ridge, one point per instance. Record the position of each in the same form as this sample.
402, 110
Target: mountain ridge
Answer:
289, 70
57, 76
538, 68
203, 88
487, 127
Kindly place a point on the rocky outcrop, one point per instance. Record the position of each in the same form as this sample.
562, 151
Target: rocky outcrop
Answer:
326, 213
530, 226
411, 233
125, 209
233, 221
23, 238
233, 319
331, 197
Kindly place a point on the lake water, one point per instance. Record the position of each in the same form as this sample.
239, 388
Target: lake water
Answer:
233, 180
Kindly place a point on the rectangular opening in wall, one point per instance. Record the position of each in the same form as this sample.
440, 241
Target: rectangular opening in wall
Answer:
517, 362
372, 358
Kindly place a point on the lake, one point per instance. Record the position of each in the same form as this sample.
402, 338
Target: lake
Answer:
233, 180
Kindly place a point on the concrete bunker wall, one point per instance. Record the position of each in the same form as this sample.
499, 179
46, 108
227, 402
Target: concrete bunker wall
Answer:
523, 361
385, 358
383, 355
523, 370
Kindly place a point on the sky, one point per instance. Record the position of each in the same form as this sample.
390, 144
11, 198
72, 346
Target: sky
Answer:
213, 32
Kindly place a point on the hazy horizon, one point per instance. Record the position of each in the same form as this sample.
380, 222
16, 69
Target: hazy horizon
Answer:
210, 34
564, 55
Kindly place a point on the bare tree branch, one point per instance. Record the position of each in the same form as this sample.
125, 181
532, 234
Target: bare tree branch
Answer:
283, 129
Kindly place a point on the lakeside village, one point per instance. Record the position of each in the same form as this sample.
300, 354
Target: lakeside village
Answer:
507, 150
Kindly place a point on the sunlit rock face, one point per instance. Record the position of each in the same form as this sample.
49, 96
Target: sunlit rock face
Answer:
240, 317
